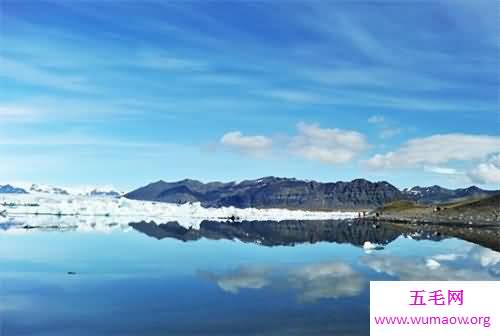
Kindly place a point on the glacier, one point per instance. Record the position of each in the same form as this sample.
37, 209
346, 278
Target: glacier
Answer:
85, 212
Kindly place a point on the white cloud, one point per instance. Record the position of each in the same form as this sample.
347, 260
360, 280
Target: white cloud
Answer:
293, 96
160, 60
12, 112
376, 119
328, 145
487, 172
388, 132
442, 170
257, 145
22, 72
437, 149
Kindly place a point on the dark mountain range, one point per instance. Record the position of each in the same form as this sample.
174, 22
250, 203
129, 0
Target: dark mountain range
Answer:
8, 189
272, 192
437, 194
290, 193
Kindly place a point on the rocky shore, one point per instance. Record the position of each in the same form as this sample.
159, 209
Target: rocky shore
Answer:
477, 221
481, 212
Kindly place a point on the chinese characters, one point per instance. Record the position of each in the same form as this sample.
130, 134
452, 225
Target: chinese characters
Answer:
436, 298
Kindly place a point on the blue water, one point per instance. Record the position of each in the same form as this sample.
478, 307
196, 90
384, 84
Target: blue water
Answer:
127, 283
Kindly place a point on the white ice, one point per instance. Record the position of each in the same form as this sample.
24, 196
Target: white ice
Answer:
84, 211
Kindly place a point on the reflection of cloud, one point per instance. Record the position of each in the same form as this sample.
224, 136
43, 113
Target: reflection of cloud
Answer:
10, 303
485, 257
232, 282
326, 280
415, 269
446, 257
312, 282
432, 264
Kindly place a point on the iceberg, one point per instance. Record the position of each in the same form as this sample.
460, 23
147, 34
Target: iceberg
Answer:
40, 210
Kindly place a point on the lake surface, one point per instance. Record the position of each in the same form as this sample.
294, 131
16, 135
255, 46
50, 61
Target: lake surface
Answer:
250, 278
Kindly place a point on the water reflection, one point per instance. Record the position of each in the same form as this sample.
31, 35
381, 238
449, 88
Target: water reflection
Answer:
330, 280
271, 233
241, 278
223, 282
310, 282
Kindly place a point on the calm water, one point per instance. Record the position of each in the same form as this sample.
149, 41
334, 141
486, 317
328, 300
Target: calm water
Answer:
254, 278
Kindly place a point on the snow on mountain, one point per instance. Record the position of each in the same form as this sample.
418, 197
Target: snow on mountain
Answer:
40, 188
92, 190
75, 210
103, 192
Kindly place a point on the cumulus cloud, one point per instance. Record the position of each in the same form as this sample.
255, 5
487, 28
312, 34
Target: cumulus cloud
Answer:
328, 145
437, 149
376, 119
257, 145
487, 172
311, 142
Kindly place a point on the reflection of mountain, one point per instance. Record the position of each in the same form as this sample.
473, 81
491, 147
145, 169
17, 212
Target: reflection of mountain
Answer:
272, 233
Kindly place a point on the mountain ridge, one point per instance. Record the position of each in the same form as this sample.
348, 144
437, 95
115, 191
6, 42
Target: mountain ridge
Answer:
9, 189
34, 188
292, 193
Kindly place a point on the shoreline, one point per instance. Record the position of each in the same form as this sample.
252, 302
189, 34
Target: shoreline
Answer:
484, 235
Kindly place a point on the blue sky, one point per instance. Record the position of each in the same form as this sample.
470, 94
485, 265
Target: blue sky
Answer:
125, 93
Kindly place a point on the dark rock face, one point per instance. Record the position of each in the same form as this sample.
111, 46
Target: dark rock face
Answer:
8, 189
270, 233
437, 194
272, 192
